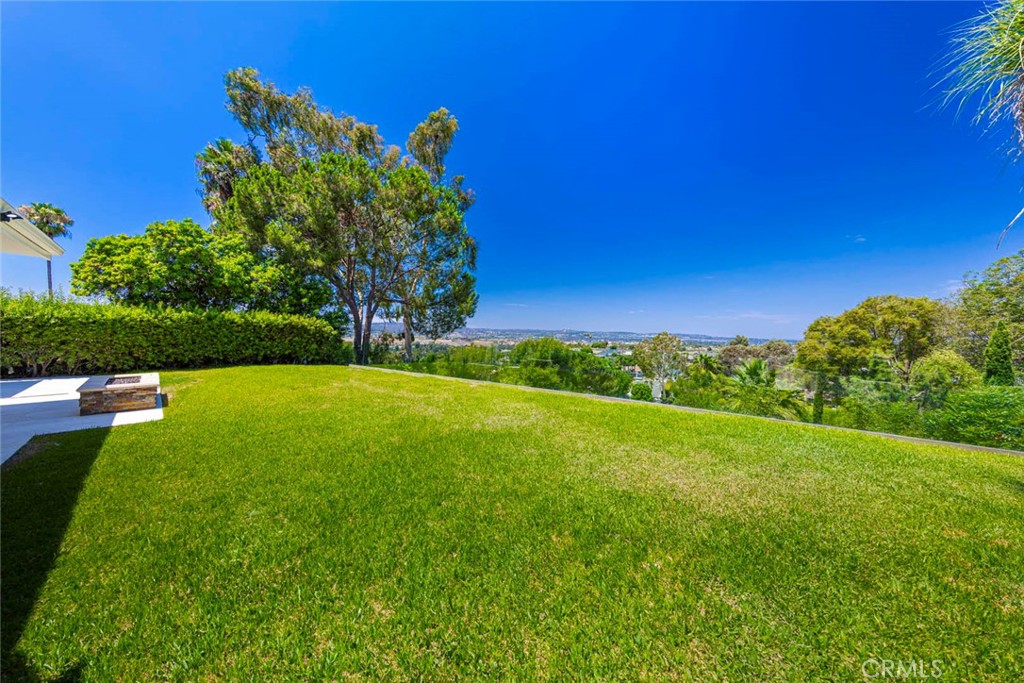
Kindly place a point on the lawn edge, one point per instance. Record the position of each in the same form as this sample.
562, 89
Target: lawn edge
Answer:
688, 409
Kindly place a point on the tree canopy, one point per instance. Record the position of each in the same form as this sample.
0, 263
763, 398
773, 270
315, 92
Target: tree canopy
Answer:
896, 330
182, 265
322, 192
661, 357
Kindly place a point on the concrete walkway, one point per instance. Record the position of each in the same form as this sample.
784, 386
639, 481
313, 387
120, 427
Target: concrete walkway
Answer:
29, 407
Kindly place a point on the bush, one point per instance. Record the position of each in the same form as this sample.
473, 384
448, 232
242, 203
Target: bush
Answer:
641, 391
993, 416
43, 336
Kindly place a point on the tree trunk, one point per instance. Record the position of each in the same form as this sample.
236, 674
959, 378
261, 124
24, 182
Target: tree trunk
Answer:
407, 333
49, 277
357, 335
818, 414
367, 336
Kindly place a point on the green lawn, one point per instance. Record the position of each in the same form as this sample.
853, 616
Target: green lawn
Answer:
328, 523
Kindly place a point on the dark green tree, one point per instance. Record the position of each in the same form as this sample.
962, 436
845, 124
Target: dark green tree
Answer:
325, 194
999, 358
182, 265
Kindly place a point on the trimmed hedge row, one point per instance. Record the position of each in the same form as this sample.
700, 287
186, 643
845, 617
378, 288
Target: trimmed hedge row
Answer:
40, 336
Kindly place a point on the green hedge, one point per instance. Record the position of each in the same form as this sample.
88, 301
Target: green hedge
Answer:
992, 416
40, 336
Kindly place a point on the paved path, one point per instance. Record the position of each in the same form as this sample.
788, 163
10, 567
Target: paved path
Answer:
667, 406
48, 406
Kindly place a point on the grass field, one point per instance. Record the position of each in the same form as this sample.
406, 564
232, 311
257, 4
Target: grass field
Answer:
327, 523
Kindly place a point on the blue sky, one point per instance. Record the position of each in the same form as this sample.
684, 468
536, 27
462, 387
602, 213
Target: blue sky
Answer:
712, 168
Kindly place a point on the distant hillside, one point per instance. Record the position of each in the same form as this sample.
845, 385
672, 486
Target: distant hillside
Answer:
471, 334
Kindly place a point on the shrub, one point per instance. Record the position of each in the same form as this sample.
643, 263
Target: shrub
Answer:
641, 391
43, 336
999, 357
939, 373
992, 416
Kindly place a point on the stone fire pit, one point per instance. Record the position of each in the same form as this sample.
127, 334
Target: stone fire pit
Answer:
117, 393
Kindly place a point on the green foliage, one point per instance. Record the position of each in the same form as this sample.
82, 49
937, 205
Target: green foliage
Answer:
939, 373
546, 363
51, 336
182, 265
641, 391
552, 364
999, 358
874, 412
53, 221
818, 406
985, 299
388, 233
756, 373
991, 416
986, 68
660, 358
766, 401
898, 330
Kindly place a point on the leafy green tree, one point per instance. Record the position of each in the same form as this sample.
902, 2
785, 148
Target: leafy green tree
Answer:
996, 294
939, 373
778, 353
740, 340
998, 358
388, 234
438, 298
182, 265
575, 369
897, 330
661, 358
641, 391
54, 222
732, 356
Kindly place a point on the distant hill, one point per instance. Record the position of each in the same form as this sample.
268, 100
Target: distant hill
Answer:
493, 334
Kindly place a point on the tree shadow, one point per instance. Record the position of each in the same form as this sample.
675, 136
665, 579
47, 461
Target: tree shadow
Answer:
39, 489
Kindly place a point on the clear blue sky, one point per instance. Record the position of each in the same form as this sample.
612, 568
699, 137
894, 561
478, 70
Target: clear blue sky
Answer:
716, 168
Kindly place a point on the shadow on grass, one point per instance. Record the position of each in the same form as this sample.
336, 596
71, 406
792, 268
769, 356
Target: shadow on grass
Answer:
37, 499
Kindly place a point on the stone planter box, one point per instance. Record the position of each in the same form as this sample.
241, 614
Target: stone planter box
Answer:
117, 393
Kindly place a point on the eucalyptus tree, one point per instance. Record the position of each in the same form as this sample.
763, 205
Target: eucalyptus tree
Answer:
661, 357
322, 191
54, 222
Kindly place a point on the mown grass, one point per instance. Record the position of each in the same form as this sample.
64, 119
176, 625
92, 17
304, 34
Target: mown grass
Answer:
325, 523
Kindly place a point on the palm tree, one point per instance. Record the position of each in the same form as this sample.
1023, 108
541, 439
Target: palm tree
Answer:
707, 363
985, 68
756, 373
53, 222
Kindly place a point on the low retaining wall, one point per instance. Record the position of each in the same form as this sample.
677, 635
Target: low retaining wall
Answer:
118, 393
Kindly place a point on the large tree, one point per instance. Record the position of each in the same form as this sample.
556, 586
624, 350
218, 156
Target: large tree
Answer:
897, 330
985, 299
54, 222
661, 357
324, 193
182, 265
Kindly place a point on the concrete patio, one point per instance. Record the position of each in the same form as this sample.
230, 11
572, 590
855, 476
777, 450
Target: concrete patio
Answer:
29, 407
